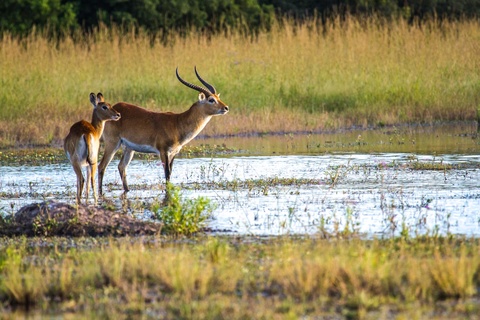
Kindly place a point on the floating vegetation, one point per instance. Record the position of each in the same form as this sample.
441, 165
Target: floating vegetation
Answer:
250, 184
207, 150
439, 166
31, 157
43, 156
415, 164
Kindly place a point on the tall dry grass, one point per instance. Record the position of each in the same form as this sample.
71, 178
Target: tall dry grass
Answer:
227, 278
295, 77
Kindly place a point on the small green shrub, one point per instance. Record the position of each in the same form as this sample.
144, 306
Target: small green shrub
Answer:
182, 216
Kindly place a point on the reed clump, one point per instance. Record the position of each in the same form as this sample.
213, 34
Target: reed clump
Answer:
232, 278
310, 77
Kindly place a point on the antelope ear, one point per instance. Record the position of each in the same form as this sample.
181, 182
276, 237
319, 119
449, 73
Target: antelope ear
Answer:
201, 96
100, 97
93, 100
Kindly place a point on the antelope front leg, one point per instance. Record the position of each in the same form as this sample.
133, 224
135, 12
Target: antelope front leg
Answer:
87, 184
108, 154
164, 157
94, 170
170, 166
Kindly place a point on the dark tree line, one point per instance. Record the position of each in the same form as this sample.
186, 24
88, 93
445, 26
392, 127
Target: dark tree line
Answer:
19, 17
449, 9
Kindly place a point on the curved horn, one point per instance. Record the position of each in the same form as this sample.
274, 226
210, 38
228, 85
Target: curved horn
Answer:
205, 83
192, 86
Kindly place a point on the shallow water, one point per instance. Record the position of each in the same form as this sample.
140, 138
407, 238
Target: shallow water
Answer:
352, 187
456, 138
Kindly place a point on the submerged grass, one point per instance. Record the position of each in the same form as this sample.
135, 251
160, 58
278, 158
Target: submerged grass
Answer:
308, 77
248, 278
37, 156
31, 157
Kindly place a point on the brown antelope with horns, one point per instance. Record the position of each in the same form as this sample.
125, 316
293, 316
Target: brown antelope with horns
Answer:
162, 133
83, 141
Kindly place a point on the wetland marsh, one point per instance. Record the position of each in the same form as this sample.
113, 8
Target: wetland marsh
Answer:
377, 183
328, 223
398, 208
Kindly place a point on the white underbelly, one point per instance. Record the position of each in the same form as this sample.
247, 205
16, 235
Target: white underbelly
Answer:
144, 148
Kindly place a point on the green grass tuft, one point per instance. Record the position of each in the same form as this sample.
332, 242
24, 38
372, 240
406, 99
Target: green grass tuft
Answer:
182, 216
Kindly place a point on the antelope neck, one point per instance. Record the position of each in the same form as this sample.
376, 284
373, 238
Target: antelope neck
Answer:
98, 124
192, 122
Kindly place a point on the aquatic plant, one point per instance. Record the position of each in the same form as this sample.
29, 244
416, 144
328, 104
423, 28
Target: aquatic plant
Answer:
182, 216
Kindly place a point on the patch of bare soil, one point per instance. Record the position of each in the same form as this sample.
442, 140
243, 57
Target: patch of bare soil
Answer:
53, 218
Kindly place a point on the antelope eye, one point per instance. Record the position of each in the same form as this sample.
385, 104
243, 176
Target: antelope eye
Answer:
211, 100
104, 107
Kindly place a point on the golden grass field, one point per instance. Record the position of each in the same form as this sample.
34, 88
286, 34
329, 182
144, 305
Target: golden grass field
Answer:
230, 278
295, 77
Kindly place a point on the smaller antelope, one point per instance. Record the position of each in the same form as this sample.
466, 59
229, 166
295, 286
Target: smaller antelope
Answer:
83, 141
162, 133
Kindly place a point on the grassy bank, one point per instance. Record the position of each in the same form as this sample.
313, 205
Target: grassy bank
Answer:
249, 278
293, 78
